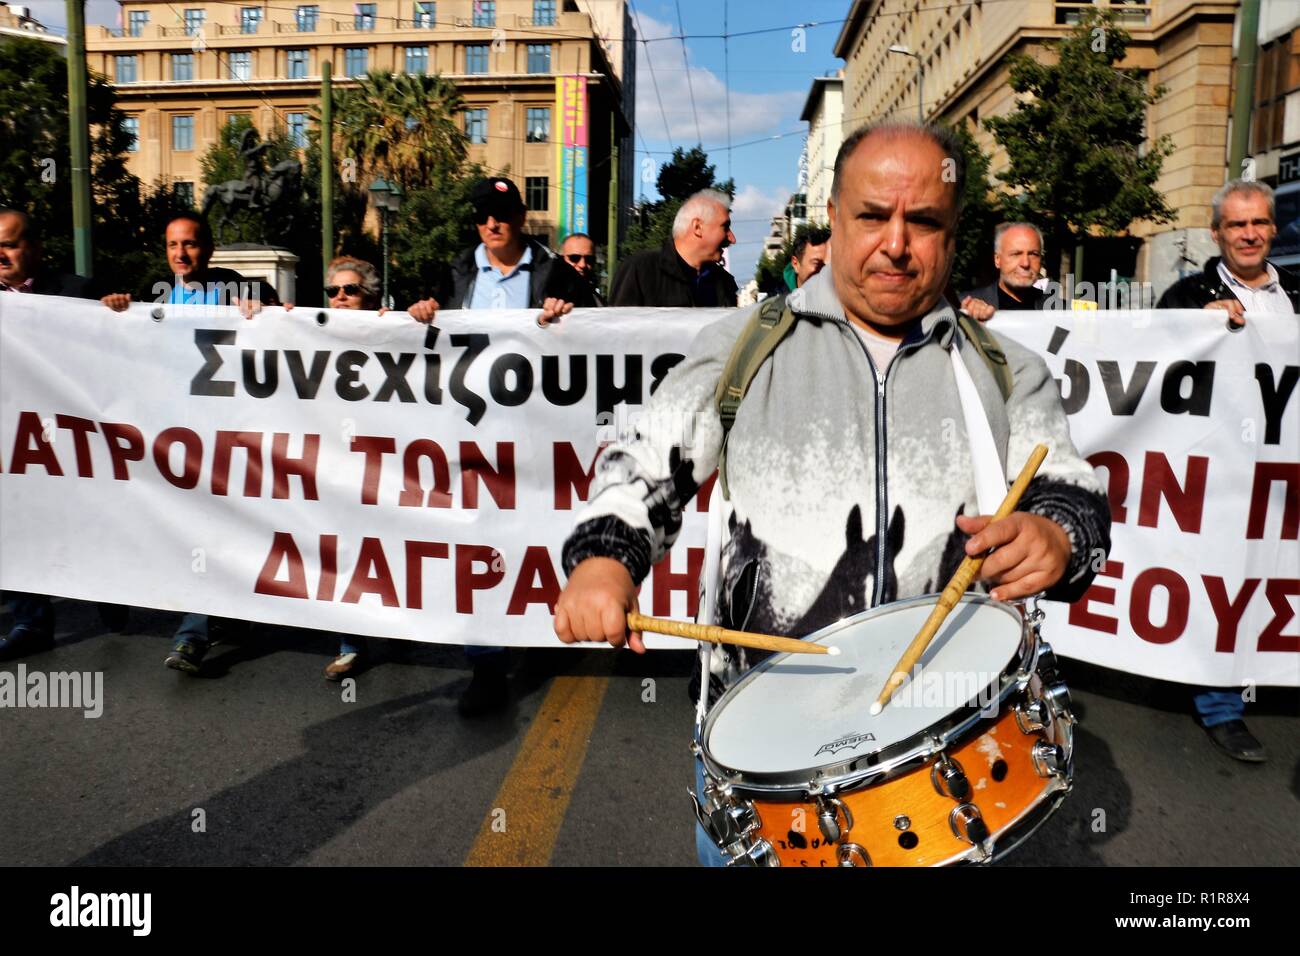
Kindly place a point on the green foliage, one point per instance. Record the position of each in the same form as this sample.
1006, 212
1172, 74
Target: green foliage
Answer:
686, 173
1077, 148
35, 166
973, 262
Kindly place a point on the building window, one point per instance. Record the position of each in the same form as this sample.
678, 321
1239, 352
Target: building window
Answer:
485, 13
182, 66
364, 18
131, 126
297, 64
355, 61
241, 65
184, 194
538, 124
297, 123
249, 18
307, 16
476, 125
417, 59
194, 20
425, 14
233, 119
543, 13
182, 133
535, 193
136, 21
476, 58
539, 58
124, 69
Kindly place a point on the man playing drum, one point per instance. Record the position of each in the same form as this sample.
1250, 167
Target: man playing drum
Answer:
850, 465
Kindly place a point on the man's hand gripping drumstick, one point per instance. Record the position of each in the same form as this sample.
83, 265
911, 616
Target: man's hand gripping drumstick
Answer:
976, 553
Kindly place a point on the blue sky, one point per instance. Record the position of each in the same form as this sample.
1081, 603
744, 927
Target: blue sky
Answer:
768, 81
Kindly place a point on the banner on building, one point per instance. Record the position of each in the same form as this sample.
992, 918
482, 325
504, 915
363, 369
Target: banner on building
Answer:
366, 474
571, 154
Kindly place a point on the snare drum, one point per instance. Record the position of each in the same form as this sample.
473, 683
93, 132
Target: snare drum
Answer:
971, 755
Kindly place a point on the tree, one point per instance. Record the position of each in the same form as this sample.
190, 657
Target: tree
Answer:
973, 263
35, 166
685, 174
1077, 148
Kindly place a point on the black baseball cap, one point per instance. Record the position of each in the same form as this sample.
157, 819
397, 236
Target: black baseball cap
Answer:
496, 195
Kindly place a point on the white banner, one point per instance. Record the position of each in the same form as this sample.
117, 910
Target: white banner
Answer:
1196, 433
326, 469
364, 474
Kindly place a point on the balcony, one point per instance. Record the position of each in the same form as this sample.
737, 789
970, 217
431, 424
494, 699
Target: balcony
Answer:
1128, 15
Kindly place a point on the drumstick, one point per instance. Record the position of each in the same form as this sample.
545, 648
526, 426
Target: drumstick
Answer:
721, 635
961, 580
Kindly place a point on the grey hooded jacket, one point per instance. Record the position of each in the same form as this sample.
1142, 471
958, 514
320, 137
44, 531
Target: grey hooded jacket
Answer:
845, 483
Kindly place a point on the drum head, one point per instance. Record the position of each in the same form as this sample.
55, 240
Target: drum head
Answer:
796, 712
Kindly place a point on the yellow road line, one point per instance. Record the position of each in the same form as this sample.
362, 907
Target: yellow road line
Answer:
535, 793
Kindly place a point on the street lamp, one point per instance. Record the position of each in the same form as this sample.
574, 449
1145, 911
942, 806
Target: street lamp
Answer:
387, 197
920, 89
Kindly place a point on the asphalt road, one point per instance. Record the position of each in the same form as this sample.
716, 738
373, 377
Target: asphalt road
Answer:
261, 761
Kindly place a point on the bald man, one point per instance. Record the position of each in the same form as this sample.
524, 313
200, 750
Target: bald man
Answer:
1018, 256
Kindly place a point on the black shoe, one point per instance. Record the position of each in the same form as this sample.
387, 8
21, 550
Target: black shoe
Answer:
186, 657
23, 640
488, 692
1237, 742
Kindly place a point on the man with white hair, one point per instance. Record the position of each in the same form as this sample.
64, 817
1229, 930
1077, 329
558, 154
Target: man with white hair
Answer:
687, 270
1018, 255
1240, 280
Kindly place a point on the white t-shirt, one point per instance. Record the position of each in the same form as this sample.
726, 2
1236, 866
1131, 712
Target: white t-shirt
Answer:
882, 350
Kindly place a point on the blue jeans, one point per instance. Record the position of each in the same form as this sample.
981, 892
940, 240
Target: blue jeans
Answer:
1216, 705
351, 644
194, 629
33, 612
709, 853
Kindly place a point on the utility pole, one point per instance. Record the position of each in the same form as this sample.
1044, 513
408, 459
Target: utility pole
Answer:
327, 167
611, 246
1247, 56
79, 138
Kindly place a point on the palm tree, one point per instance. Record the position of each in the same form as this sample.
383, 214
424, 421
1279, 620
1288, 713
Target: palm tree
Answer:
401, 126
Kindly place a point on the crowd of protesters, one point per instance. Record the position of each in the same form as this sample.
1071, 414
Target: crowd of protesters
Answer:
509, 269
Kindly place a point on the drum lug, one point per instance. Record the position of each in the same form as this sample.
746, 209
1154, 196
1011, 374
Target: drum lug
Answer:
949, 778
758, 853
1046, 664
968, 824
844, 856
1056, 699
829, 811
1032, 715
1048, 758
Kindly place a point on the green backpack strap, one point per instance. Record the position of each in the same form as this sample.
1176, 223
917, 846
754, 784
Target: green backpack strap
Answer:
758, 340
989, 352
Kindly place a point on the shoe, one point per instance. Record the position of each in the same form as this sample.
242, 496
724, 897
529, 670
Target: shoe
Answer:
185, 657
1237, 742
23, 640
342, 666
488, 692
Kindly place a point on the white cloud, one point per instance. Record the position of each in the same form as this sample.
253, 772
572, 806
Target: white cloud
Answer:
752, 114
54, 13
751, 214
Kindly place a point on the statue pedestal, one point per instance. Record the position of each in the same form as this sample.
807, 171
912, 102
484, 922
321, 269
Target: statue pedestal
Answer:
267, 263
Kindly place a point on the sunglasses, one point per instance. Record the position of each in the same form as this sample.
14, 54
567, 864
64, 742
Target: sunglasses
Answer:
576, 257
500, 215
350, 289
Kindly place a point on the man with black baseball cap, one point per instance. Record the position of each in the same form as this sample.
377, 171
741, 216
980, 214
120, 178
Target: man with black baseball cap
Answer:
508, 269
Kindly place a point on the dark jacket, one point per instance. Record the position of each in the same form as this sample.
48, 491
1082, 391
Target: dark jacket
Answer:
1198, 290
989, 294
661, 278
214, 274
549, 278
64, 283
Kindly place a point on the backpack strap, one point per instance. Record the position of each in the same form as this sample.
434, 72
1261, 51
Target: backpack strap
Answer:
761, 335
990, 353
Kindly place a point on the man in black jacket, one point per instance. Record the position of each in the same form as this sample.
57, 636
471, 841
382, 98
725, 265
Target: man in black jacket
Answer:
1018, 256
22, 271
1240, 279
687, 271
508, 269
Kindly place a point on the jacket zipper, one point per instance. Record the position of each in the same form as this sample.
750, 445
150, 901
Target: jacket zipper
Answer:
881, 471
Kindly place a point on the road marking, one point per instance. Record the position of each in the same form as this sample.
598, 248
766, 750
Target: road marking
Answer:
535, 793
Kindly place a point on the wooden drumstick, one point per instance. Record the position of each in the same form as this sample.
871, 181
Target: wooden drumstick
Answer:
961, 580
721, 635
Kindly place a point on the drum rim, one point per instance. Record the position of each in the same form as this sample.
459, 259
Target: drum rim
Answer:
893, 759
